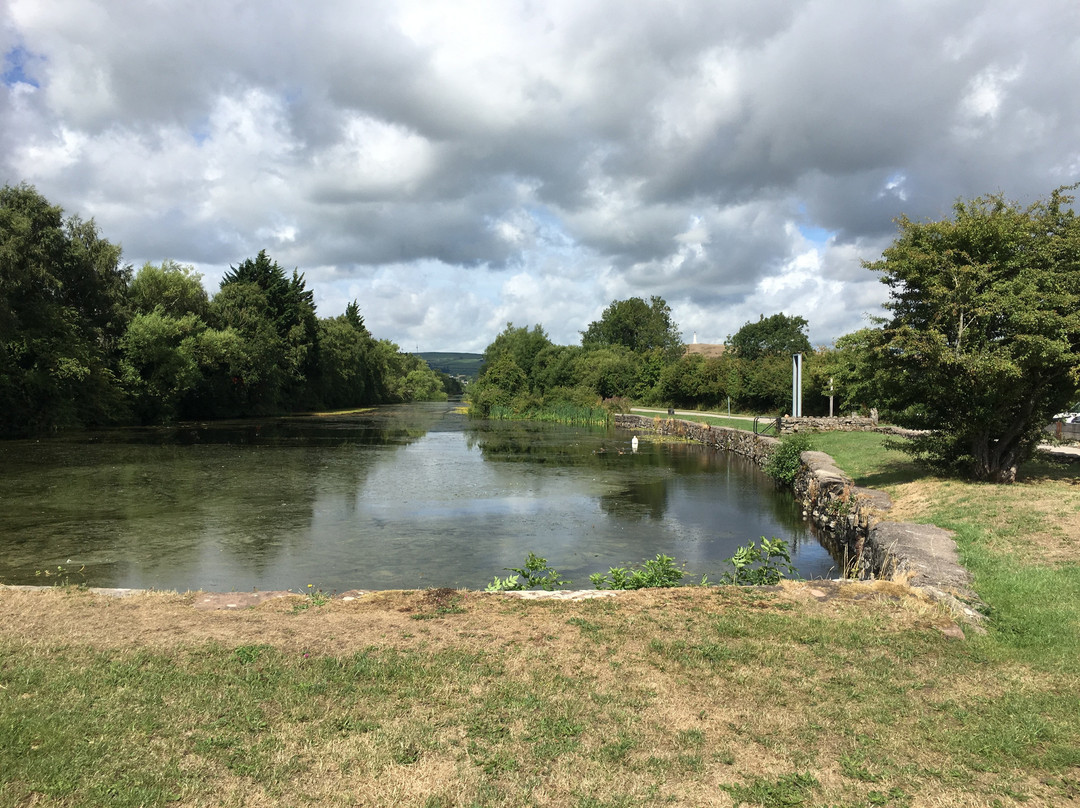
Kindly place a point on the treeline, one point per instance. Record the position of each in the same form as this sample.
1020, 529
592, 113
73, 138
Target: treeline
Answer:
84, 340
635, 352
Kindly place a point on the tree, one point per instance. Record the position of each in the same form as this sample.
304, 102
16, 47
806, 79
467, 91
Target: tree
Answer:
778, 335
636, 325
173, 287
498, 384
853, 365
290, 308
521, 344
258, 374
62, 313
983, 342
347, 366
609, 372
158, 348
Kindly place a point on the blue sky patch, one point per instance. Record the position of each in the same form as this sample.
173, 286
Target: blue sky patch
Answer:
15, 62
817, 235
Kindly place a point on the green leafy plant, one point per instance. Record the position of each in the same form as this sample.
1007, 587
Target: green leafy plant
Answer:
764, 565
838, 508
785, 462
511, 583
657, 572
534, 573
312, 597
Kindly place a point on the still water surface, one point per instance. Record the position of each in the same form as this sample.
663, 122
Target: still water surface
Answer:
402, 497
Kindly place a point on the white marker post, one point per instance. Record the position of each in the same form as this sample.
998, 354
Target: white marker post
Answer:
796, 385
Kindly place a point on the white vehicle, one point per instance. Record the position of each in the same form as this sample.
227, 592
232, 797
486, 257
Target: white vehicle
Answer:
1068, 417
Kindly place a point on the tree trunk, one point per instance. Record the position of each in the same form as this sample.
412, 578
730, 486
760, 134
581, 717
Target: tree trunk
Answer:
994, 463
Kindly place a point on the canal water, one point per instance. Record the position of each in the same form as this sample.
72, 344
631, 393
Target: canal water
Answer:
401, 497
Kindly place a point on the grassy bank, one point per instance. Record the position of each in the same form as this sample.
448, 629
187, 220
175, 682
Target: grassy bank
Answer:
1021, 542
816, 694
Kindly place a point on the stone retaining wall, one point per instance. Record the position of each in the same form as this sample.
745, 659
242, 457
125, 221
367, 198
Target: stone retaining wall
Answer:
746, 444
852, 516
830, 499
1064, 431
846, 423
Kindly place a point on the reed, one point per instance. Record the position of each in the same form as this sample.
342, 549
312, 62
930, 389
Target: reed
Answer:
561, 413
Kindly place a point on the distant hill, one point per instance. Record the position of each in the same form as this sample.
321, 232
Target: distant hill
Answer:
454, 364
707, 350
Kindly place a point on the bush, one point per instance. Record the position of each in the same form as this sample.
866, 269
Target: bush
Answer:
534, 572
658, 572
786, 461
773, 562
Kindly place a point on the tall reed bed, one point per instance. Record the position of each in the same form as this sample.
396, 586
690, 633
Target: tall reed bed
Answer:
563, 413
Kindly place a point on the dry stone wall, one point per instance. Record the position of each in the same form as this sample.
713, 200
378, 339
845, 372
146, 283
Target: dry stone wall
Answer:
756, 447
830, 500
852, 516
850, 423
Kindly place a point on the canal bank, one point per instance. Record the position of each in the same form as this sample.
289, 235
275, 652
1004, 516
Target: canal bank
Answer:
855, 518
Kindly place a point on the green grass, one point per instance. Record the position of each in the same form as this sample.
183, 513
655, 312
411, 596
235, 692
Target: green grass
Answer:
1034, 605
865, 459
588, 703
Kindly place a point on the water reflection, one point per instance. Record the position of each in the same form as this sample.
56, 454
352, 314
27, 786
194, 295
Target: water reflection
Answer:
399, 497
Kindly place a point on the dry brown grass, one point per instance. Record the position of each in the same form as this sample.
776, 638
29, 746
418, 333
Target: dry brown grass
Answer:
1039, 517
163, 620
670, 694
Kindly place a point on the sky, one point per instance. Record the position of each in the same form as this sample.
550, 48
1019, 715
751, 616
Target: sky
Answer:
457, 166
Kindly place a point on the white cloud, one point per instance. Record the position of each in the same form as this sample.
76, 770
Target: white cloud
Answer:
453, 166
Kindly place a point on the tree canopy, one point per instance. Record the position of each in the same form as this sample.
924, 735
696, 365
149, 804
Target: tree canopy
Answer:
62, 314
82, 342
776, 335
637, 325
982, 342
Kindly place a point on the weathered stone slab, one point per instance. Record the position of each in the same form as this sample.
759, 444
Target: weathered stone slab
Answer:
927, 551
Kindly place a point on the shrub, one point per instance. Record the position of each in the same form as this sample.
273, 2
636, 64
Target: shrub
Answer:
785, 462
773, 562
535, 572
657, 572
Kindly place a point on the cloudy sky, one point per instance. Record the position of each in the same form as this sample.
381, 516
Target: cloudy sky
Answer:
454, 166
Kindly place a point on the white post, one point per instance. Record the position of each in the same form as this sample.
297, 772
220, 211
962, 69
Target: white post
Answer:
796, 385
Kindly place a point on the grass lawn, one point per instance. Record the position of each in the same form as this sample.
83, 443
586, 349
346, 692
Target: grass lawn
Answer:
813, 694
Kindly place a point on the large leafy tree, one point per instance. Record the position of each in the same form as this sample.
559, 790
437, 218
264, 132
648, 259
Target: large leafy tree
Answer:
164, 340
175, 288
345, 372
521, 344
290, 309
850, 371
982, 344
777, 335
637, 325
62, 314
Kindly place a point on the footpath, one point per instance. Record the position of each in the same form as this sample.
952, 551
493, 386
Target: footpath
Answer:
1063, 452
